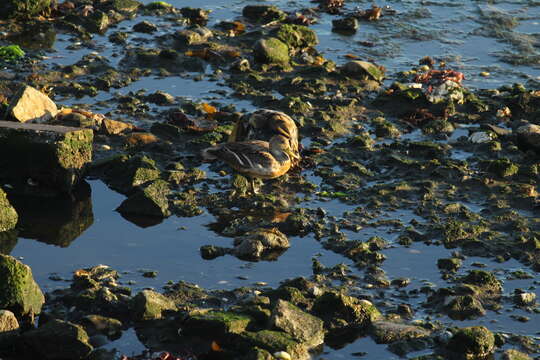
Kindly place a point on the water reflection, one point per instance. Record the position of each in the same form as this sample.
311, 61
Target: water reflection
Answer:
57, 221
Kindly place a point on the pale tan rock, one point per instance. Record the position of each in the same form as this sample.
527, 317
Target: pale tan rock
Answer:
31, 105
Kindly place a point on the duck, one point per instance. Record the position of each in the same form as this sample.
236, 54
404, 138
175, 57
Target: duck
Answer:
256, 159
263, 124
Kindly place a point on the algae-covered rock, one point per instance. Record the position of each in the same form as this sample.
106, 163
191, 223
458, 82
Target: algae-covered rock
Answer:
125, 6
19, 292
148, 201
502, 167
53, 157
347, 25
124, 173
473, 342
216, 324
23, 8
333, 306
55, 340
302, 326
148, 305
464, 307
271, 51
8, 214
296, 36
29, 104
263, 13
275, 341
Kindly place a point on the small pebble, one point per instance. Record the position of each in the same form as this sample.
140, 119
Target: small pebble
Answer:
283, 355
485, 74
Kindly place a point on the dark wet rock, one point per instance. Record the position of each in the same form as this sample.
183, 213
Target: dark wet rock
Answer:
54, 340
263, 13
19, 292
161, 98
215, 324
339, 310
31, 105
302, 326
385, 332
97, 324
449, 264
124, 173
53, 157
512, 354
271, 51
261, 243
118, 37
464, 307
149, 305
473, 342
385, 129
23, 9
347, 25
363, 70
195, 15
8, 214
296, 37
192, 36
145, 27
528, 137
291, 294
151, 200
95, 22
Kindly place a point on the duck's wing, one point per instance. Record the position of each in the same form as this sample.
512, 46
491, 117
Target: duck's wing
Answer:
245, 155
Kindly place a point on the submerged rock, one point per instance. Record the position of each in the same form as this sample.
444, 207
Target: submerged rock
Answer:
263, 13
19, 292
339, 310
8, 214
347, 25
52, 157
55, 340
31, 105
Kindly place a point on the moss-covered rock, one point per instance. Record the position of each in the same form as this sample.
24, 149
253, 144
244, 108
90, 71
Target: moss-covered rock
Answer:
274, 341
19, 292
148, 305
473, 342
465, 307
333, 307
148, 201
385, 332
216, 324
8, 214
23, 8
502, 167
296, 36
271, 51
124, 173
512, 354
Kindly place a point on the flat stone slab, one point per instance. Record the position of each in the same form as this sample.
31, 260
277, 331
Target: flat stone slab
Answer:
44, 156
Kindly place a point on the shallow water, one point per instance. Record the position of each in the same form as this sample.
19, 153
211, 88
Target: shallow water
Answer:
461, 33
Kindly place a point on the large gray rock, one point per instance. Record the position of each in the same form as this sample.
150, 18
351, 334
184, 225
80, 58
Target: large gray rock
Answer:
528, 137
302, 326
56, 340
149, 305
8, 215
19, 292
52, 157
29, 104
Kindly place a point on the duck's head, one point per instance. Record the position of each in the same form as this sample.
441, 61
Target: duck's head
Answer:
280, 144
